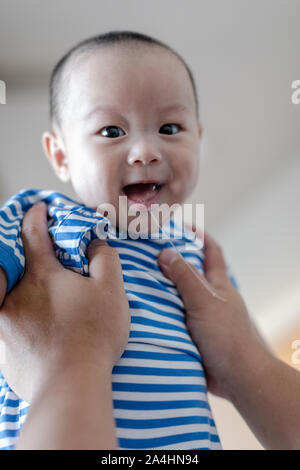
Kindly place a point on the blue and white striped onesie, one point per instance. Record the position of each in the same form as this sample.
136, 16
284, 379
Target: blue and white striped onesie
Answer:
159, 388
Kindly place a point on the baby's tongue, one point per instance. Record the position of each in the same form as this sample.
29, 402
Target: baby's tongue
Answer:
139, 192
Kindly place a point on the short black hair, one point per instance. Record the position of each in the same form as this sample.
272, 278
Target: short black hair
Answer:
102, 40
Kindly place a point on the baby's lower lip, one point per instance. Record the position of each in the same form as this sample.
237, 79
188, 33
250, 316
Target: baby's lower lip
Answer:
144, 201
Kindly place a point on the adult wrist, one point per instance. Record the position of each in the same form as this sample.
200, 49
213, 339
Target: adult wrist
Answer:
67, 370
248, 371
69, 354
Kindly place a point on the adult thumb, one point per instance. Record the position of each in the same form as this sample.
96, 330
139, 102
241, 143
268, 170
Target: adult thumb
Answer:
189, 281
103, 260
37, 244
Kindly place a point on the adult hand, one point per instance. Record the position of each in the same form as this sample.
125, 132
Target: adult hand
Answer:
222, 331
239, 365
56, 317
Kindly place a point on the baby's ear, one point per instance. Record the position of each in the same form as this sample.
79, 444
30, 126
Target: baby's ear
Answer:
55, 153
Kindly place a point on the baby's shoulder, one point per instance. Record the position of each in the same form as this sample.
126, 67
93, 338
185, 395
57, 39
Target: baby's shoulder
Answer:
18, 204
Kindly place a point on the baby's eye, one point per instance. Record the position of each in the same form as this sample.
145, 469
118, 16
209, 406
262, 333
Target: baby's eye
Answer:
169, 128
111, 131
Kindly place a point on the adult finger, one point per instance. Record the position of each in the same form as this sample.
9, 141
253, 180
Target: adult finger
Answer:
214, 262
103, 259
36, 240
189, 281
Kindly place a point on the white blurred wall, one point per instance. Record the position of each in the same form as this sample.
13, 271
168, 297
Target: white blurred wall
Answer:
262, 242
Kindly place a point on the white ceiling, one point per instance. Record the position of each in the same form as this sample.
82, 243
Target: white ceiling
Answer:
244, 55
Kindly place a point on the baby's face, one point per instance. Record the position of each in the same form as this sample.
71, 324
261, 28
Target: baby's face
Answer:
130, 118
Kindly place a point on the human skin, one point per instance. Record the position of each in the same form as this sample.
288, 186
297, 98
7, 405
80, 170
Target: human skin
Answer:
57, 323
68, 356
137, 84
3, 285
239, 366
65, 380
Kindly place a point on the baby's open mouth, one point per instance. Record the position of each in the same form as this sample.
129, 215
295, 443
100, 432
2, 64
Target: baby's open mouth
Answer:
142, 193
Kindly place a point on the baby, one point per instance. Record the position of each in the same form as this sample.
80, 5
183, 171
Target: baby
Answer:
124, 117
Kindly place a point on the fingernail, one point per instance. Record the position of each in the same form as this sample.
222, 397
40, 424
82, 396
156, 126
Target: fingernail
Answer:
168, 256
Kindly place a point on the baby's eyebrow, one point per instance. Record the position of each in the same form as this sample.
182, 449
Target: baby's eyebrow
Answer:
100, 108
108, 108
174, 107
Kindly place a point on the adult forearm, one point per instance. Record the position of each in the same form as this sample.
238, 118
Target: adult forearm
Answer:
72, 410
266, 392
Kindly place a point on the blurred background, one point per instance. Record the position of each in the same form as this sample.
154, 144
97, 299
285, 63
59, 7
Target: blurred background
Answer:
244, 55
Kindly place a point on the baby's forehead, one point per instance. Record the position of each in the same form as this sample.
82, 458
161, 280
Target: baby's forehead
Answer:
116, 60
134, 75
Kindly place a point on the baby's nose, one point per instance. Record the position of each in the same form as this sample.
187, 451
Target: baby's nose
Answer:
143, 157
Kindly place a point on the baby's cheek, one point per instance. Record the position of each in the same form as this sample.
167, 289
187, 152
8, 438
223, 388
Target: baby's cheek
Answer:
188, 170
84, 185
195, 165
85, 180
